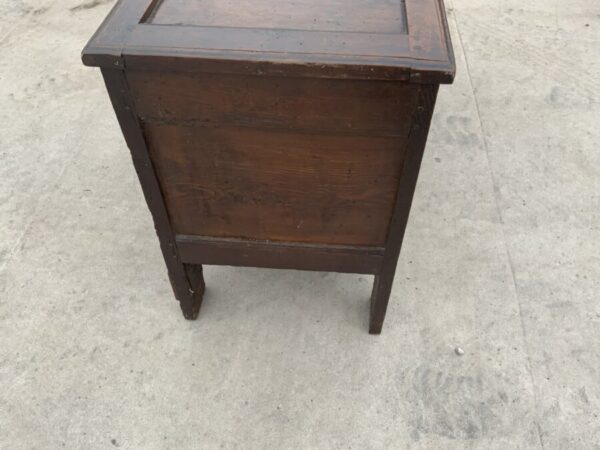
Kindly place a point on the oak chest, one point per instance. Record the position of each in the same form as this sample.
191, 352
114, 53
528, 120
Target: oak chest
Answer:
276, 133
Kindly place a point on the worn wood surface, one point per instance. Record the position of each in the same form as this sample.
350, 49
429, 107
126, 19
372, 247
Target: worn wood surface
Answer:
280, 255
282, 159
303, 105
362, 16
256, 184
371, 39
187, 281
382, 287
282, 134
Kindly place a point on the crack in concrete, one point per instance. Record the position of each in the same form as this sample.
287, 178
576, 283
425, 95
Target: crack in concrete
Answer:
89, 5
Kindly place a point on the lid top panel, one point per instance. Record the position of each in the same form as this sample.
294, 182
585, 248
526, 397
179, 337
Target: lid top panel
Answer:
358, 16
374, 39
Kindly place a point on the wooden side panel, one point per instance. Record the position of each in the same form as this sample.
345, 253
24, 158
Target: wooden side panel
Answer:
277, 185
281, 159
295, 104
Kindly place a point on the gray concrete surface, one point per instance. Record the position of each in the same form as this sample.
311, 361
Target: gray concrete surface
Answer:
502, 258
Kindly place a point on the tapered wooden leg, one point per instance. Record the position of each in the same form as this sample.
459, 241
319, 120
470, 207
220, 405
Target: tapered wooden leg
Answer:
190, 295
186, 279
382, 288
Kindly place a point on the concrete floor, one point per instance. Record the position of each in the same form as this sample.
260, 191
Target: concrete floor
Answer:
502, 258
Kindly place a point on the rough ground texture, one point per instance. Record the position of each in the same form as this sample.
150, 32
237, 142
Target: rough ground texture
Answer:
502, 258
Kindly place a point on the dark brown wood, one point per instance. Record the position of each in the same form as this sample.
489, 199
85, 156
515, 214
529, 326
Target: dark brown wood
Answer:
187, 282
365, 16
303, 105
266, 185
382, 286
297, 160
276, 255
276, 133
410, 41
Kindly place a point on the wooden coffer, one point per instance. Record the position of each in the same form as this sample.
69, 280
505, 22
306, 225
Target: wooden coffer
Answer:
276, 133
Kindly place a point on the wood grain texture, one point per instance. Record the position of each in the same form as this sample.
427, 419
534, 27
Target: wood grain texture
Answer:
277, 255
369, 39
375, 16
276, 158
283, 134
187, 281
298, 104
268, 185
382, 286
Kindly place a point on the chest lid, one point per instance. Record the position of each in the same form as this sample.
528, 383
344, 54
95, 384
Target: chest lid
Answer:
366, 39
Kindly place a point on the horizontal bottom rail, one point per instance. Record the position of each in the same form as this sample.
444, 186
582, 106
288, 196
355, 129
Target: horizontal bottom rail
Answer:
279, 255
